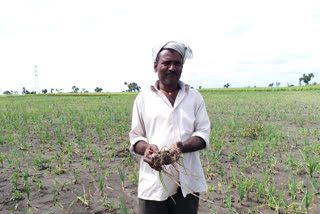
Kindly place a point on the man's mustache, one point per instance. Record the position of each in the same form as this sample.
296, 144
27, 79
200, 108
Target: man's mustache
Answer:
171, 72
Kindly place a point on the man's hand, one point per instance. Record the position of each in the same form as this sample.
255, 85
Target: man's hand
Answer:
148, 151
193, 144
151, 151
177, 147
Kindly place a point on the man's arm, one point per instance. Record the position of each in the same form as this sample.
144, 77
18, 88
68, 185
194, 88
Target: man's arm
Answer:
201, 134
201, 128
195, 143
137, 133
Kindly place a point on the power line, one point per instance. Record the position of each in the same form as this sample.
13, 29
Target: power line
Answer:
36, 80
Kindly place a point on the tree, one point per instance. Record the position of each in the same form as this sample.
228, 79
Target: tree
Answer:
98, 90
24, 90
51, 90
44, 91
270, 85
277, 84
7, 92
75, 89
290, 85
84, 90
132, 87
226, 85
306, 78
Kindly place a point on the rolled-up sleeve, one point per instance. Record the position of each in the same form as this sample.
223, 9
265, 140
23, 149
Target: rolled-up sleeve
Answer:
137, 132
202, 123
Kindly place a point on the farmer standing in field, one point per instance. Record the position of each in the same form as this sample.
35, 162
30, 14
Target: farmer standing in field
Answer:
170, 115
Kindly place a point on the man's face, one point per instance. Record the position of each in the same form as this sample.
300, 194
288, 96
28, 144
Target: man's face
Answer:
169, 67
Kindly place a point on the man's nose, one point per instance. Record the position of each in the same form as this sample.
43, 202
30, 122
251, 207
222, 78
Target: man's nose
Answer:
172, 67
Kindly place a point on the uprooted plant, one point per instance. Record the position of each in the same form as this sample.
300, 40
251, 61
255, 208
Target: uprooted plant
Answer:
166, 157
173, 157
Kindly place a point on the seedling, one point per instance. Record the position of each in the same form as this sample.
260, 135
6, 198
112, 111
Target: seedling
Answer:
76, 175
211, 188
123, 206
28, 189
54, 193
122, 176
2, 157
255, 129
228, 203
259, 189
313, 165
307, 199
83, 198
16, 195
15, 180
276, 199
39, 182
241, 188
293, 188
25, 174
101, 181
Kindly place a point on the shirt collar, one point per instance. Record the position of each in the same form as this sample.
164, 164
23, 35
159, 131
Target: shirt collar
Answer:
182, 85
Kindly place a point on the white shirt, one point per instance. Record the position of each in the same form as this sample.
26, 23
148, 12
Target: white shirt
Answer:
156, 121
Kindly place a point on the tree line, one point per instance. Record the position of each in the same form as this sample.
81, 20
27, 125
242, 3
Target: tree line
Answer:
305, 78
134, 87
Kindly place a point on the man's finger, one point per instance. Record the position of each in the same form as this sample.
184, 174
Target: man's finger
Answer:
147, 160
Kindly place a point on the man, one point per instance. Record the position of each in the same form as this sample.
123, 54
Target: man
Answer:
168, 113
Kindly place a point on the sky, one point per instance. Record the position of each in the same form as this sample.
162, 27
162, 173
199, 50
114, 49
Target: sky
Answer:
104, 43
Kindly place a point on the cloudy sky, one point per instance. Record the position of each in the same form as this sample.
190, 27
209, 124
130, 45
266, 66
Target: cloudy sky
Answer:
107, 42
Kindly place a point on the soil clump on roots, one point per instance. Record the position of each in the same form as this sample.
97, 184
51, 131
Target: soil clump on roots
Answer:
166, 157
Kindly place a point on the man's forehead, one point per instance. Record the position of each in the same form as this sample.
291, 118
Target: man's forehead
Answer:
167, 54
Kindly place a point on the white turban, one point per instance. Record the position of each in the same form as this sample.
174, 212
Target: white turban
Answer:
184, 50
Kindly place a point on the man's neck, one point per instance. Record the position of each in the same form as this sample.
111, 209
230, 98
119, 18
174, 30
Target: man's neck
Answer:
168, 88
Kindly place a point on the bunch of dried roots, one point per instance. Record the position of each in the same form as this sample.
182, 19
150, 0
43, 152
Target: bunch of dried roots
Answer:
166, 157
171, 157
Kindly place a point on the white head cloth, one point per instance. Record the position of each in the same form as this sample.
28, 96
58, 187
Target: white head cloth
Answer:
184, 50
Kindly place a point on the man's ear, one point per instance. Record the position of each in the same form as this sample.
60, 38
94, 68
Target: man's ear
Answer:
155, 64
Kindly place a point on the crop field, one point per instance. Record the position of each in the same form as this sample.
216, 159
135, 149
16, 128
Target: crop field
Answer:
69, 154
